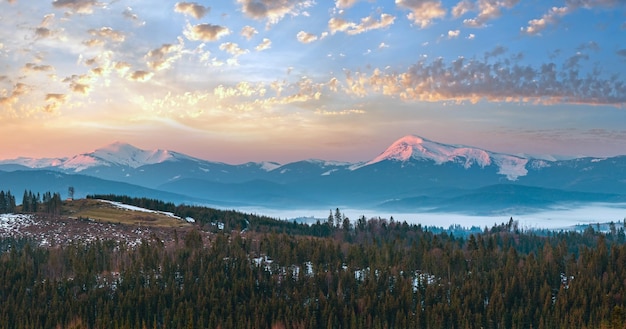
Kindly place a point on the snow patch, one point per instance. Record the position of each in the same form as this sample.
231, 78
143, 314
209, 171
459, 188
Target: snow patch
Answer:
269, 166
14, 222
510, 166
135, 208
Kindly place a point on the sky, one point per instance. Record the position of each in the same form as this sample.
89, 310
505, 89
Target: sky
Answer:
286, 80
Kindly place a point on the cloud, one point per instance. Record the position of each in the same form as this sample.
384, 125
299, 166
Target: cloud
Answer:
121, 68
591, 45
475, 80
339, 25
205, 32
422, 12
265, 44
93, 43
248, 32
273, 10
305, 37
108, 33
572, 62
32, 67
535, 26
43, 32
487, 10
345, 3
453, 34
368, 23
56, 97
192, 9
462, 8
140, 76
471, 36
77, 6
339, 113
47, 20
160, 59
495, 52
54, 102
233, 49
130, 15
19, 89
79, 83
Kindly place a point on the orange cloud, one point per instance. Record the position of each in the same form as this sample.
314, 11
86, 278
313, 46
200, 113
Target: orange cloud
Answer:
423, 12
205, 32
191, 8
77, 6
140, 76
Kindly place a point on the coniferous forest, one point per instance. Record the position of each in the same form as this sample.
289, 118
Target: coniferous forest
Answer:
340, 273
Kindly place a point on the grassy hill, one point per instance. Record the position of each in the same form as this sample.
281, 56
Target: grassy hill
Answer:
103, 211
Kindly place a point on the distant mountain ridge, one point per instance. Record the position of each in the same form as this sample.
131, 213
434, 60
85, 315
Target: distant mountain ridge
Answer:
412, 173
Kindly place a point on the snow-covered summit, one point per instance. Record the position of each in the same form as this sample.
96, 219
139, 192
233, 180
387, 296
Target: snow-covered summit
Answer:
115, 154
415, 147
118, 153
128, 155
35, 163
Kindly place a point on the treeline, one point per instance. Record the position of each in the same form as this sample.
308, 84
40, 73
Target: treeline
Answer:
51, 203
7, 202
207, 218
377, 274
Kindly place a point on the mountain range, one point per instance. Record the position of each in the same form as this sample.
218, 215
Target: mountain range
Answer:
412, 174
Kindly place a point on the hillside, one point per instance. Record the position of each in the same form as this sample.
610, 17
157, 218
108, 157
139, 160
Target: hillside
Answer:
233, 270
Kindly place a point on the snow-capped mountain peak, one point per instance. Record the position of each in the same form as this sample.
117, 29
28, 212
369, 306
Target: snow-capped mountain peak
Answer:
126, 154
118, 153
415, 147
35, 163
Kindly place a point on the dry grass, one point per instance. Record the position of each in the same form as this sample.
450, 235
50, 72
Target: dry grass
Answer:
105, 212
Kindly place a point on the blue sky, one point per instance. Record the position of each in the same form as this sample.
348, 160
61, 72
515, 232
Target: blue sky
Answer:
284, 80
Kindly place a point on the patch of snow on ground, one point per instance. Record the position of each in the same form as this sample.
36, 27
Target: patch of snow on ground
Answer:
14, 222
135, 208
329, 172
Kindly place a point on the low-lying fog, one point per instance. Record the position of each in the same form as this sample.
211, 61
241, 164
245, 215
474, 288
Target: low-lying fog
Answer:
563, 217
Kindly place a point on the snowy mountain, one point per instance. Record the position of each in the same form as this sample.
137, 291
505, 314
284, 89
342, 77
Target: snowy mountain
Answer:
412, 173
414, 147
33, 163
116, 154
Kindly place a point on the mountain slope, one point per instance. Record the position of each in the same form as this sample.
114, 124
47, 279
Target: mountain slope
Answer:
41, 181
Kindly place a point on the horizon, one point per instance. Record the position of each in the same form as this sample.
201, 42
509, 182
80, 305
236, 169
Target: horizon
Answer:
236, 82
549, 157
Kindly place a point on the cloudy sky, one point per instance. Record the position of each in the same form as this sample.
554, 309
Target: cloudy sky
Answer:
285, 80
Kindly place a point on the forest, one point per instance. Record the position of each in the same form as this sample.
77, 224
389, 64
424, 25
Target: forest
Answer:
259, 272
